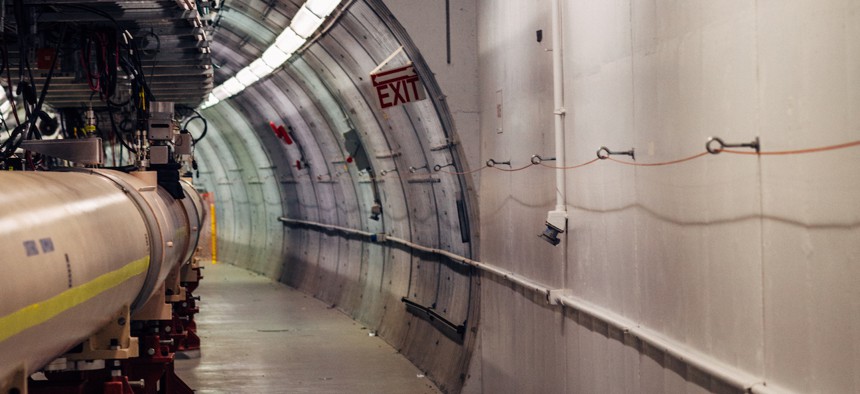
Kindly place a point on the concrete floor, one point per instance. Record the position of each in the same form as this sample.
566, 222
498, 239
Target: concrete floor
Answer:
259, 336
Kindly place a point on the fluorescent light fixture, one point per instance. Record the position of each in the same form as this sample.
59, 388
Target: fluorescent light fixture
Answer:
275, 57
305, 23
246, 77
220, 92
322, 7
233, 86
289, 41
260, 68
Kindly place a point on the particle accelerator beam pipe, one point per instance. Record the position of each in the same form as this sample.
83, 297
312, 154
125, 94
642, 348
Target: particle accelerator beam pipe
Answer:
75, 249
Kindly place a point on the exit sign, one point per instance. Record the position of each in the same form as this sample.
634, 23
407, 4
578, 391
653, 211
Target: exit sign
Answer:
398, 86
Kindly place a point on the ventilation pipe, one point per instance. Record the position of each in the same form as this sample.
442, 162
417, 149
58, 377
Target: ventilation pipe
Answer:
556, 220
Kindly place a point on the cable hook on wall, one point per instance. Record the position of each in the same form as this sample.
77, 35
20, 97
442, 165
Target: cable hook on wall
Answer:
709, 146
439, 167
537, 159
606, 153
493, 163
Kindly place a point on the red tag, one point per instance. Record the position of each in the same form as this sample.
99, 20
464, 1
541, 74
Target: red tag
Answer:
284, 135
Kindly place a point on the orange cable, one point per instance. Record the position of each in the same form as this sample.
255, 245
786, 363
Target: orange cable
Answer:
570, 167
514, 169
663, 163
796, 152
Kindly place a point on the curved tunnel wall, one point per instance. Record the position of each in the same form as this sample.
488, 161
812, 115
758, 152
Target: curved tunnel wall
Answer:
319, 95
744, 262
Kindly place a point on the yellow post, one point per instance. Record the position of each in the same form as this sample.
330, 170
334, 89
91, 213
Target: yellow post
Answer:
214, 245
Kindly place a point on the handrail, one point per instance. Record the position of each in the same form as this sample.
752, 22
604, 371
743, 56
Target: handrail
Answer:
729, 374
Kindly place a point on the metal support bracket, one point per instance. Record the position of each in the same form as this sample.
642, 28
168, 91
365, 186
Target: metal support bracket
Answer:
87, 151
112, 342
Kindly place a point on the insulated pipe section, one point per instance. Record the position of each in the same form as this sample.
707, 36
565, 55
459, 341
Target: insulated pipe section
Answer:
76, 248
168, 224
196, 214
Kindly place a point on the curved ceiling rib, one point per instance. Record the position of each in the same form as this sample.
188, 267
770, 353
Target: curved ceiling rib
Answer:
319, 95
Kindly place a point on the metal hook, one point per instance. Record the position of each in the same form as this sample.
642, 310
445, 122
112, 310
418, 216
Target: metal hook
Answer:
438, 167
414, 169
383, 172
631, 153
722, 145
493, 163
537, 159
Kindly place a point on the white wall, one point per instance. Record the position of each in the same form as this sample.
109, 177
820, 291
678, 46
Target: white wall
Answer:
752, 261
426, 23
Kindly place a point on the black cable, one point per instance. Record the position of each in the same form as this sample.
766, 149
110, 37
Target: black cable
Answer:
116, 130
9, 148
134, 66
5, 126
157, 51
194, 141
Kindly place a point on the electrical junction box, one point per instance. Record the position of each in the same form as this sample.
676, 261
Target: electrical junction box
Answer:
160, 121
356, 150
159, 154
182, 144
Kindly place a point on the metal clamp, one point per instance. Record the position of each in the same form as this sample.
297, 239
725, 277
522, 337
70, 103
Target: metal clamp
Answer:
722, 145
383, 172
606, 153
537, 159
438, 167
493, 163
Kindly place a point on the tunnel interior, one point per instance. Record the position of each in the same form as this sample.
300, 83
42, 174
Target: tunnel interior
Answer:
691, 165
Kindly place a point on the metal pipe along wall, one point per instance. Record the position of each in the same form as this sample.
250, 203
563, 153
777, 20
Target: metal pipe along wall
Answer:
76, 248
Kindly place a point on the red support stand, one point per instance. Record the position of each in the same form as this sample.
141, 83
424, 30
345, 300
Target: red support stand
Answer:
155, 366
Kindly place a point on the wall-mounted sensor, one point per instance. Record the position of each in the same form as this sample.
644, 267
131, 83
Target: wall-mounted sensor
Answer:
375, 211
551, 234
556, 223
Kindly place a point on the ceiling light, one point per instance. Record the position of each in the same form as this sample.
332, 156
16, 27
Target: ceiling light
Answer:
305, 23
210, 101
275, 57
322, 7
260, 68
289, 41
247, 77
233, 86
220, 93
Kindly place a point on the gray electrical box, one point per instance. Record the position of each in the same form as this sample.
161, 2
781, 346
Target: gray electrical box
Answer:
159, 154
356, 150
182, 144
160, 121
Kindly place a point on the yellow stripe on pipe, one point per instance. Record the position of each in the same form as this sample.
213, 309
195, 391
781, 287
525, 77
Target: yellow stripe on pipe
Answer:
40, 312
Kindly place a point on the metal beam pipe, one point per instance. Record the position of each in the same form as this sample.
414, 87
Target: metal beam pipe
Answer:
76, 248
